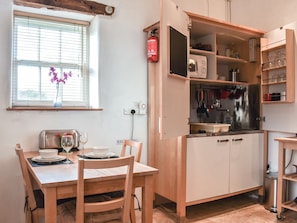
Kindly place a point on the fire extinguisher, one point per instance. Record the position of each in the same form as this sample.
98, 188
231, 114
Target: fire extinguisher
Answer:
152, 47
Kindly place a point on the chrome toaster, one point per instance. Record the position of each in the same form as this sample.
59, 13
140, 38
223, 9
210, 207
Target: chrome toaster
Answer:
51, 139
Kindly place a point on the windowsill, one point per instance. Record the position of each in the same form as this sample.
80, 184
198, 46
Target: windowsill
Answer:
52, 109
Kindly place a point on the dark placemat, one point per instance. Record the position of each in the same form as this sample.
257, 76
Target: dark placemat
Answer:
34, 164
87, 157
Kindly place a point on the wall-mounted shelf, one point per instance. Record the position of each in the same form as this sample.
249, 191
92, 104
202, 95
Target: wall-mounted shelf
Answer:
278, 69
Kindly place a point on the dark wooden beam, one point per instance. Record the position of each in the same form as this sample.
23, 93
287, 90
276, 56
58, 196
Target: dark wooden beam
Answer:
82, 6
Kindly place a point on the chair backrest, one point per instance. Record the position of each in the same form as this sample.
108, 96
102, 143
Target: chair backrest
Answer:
122, 203
135, 145
26, 178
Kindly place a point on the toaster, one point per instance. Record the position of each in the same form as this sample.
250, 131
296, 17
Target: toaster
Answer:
51, 139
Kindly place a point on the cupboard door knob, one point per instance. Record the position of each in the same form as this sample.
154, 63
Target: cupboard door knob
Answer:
239, 139
222, 140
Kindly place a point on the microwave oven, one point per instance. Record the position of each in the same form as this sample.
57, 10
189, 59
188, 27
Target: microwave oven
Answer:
198, 66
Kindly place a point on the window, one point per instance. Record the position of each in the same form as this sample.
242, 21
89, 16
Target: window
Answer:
43, 42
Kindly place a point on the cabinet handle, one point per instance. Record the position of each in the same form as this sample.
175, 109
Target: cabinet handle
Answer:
239, 139
222, 140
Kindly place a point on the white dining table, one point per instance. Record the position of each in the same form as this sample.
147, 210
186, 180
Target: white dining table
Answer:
59, 181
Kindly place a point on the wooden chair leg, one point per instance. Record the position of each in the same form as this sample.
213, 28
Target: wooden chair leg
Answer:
28, 216
132, 209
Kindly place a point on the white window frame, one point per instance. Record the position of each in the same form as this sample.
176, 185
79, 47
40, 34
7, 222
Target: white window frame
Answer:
91, 83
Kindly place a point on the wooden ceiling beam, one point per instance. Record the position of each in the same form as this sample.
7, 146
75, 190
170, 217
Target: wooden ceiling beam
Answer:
82, 6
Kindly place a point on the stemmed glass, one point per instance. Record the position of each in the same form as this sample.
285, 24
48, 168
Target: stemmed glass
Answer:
67, 143
83, 139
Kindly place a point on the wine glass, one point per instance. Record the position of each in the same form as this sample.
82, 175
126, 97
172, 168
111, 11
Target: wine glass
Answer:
83, 139
67, 143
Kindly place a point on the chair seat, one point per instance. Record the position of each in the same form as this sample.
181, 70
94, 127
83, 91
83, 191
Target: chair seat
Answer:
68, 212
39, 198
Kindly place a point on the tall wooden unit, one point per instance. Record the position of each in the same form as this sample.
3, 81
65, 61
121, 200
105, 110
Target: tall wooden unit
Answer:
168, 95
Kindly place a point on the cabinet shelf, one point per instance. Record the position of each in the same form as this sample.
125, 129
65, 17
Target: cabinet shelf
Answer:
225, 59
273, 46
218, 82
291, 177
274, 102
273, 83
290, 205
273, 68
201, 52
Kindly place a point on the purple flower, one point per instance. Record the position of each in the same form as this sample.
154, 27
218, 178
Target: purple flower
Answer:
55, 77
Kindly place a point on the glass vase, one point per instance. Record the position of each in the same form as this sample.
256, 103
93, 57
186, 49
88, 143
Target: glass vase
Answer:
58, 96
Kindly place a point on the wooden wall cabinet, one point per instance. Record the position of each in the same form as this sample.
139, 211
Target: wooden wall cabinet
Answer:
227, 47
278, 69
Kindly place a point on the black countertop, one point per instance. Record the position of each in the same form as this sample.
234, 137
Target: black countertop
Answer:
232, 132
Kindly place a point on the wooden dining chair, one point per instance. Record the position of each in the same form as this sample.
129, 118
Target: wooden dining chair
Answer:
34, 205
92, 210
34, 198
135, 149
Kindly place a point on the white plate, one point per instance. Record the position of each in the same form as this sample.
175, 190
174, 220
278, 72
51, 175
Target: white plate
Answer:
39, 159
93, 155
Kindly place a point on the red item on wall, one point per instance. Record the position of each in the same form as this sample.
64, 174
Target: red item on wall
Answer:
152, 47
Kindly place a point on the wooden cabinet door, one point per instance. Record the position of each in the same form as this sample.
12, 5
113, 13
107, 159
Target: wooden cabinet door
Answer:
207, 167
246, 161
174, 92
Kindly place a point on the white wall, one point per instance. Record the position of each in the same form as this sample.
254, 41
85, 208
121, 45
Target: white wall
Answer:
264, 14
123, 81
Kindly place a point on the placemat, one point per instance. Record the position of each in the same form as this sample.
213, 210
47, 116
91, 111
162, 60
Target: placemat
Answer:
87, 157
34, 164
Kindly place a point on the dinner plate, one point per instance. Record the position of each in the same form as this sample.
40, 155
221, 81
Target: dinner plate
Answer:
93, 155
39, 159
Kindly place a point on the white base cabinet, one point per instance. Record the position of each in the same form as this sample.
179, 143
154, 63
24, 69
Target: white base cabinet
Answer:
220, 165
246, 162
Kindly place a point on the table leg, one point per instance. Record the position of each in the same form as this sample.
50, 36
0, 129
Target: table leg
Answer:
280, 182
50, 205
147, 200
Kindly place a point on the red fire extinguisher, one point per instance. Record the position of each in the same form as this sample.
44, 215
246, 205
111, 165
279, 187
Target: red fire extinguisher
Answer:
152, 47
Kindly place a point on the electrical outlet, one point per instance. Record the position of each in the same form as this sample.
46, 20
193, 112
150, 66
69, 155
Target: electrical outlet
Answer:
142, 108
129, 111
139, 108
119, 141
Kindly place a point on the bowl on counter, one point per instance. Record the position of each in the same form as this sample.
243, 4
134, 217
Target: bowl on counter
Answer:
48, 153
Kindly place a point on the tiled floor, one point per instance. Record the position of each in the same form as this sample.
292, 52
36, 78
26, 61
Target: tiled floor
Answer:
238, 209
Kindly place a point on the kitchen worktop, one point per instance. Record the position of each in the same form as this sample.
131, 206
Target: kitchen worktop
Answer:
232, 132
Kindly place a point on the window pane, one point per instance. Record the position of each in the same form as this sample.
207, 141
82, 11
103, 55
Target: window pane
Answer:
28, 83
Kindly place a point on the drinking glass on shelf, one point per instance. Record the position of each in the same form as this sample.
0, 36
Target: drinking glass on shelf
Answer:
67, 143
271, 60
83, 139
